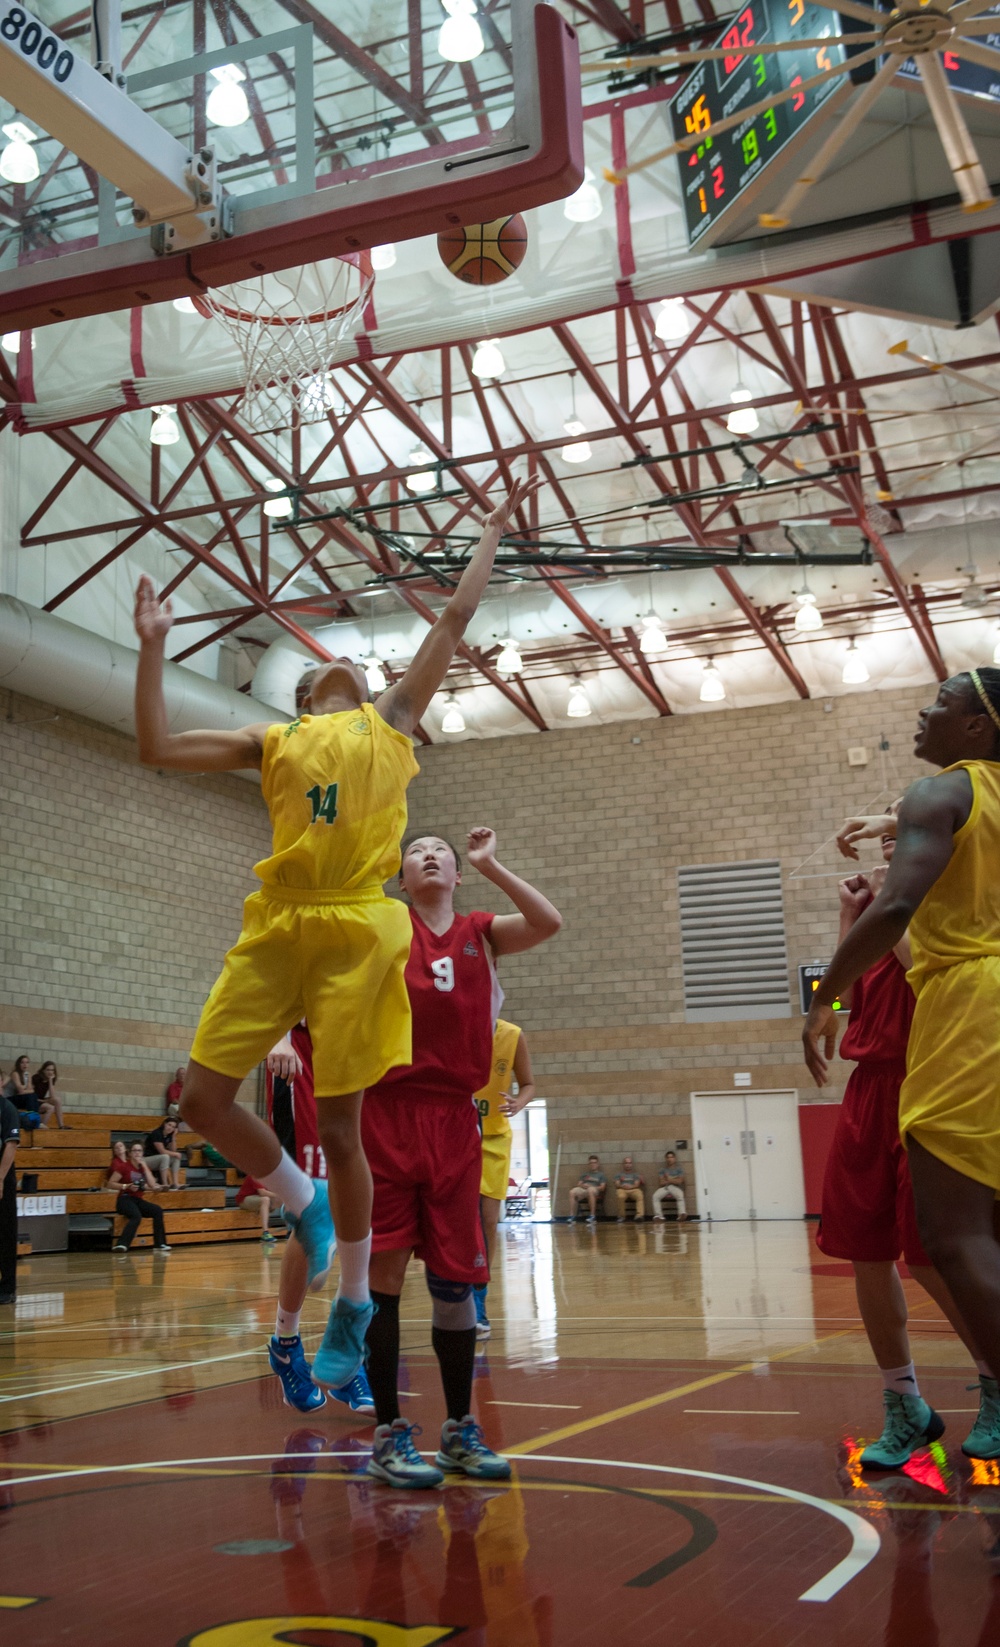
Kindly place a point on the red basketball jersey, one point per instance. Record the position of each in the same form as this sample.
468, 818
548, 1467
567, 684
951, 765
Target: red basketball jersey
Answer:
882, 1004
455, 998
308, 1153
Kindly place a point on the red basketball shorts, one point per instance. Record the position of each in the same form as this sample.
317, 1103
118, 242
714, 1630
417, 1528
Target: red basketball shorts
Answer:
427, 1161
868, 1211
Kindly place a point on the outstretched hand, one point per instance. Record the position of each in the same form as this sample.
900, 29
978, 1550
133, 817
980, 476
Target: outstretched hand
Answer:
497, 520
866, 828
481, 847
153, 618
820, 1025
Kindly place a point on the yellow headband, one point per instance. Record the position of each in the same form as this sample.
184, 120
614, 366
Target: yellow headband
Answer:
990, 708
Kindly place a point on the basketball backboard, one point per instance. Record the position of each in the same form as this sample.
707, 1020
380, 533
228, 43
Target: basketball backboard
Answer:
356, 132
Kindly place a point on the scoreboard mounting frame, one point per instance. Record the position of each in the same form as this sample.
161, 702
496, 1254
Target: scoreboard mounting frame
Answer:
722, 177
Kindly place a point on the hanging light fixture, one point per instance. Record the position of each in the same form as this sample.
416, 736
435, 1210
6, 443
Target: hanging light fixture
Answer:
487, 360
383, 257
713, 688
575, 451
743, 420
452, 720
855, 668
426, 479
509, 662
375, 674
461, 38
578, 707
11, 341
808, 618
227, 103
18, 160
185, 306
585, 204
278, 508
652, 639
164, 431
672, 324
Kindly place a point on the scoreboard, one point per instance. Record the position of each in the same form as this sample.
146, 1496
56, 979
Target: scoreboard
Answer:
725, 168
971, 78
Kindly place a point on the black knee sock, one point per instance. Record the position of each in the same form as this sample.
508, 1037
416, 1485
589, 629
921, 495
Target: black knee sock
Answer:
456, 1353
383, 1356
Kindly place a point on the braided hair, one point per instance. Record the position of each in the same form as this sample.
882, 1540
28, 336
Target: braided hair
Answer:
984, 695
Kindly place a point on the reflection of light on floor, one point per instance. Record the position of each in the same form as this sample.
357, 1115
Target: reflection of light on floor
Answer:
530, 1310
756, 1290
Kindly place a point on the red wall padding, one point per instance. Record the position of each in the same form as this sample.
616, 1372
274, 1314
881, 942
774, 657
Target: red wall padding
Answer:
816, 1128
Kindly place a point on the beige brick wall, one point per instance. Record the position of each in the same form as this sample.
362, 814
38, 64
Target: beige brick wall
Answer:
121, 888
602, 823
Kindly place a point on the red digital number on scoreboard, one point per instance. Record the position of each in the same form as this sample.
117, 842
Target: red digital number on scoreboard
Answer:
741, 34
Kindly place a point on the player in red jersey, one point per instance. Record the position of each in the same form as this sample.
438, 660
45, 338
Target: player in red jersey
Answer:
420, 1130
868, 1212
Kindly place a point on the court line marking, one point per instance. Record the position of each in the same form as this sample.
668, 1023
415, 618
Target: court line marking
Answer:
865, 1541
142, 1372
750, 1412
521, 1447
547, 1406
19, 1601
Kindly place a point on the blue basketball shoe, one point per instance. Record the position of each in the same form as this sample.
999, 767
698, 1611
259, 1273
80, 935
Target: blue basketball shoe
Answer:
288, 1362
313, 1229
357, 1394
463, 1450
341, 1355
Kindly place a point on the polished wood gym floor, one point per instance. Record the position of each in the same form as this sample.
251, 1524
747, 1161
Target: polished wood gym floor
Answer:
684, 1407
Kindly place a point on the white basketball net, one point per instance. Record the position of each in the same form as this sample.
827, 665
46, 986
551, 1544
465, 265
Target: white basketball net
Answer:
289, 328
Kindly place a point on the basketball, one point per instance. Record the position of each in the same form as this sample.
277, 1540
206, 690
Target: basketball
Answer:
482, 254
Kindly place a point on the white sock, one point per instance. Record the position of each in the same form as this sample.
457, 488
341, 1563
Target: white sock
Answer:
982, 1369
355, 1256
286, 1323
901, 1379
289, 1185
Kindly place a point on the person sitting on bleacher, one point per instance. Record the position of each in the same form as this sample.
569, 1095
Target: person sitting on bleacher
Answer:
19, 1090
131, 1178
159, 1154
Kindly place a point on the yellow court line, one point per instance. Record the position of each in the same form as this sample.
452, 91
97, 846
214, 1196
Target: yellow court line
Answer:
19, 1601
651, 1401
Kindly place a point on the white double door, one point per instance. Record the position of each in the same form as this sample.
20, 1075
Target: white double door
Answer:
748, 1155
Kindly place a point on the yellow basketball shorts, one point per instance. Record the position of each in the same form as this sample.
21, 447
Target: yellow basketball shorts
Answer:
496, 1165
950, 1099
338, 962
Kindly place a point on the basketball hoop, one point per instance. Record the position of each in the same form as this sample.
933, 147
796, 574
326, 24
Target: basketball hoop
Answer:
289, 328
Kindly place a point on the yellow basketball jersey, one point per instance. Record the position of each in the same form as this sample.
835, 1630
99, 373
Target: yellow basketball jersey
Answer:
335, 787
959, 920
505, 1039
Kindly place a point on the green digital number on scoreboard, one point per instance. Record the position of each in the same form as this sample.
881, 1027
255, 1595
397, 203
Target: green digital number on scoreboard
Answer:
725, 166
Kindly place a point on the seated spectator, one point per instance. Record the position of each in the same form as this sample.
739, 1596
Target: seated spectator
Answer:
131, 1178
47, 1099
160, 1156
671, 1188
19, 1090
628, 1188
591, 1189
172, 1096
254, 1196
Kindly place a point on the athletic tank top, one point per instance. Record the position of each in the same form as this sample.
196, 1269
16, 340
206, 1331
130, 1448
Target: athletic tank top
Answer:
882, 1004
335, 787
454, 998
505, 1039
959, 920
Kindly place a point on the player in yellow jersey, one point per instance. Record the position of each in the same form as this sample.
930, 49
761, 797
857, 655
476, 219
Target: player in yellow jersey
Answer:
944, 885
320, 939
496, 1104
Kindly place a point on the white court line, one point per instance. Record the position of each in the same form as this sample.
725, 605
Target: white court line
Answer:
547, 1406
144, 1372
865, 1543
751, 1412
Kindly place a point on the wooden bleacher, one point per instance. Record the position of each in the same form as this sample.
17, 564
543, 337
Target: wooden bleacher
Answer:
74, 1162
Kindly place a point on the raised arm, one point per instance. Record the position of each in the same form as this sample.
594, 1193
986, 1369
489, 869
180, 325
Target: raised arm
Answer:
536, 920
158, 746
930, 814
406, 702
